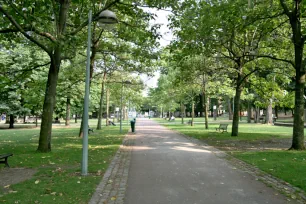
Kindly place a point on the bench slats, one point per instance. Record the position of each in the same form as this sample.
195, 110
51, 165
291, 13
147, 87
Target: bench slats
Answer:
5, 157
222, 127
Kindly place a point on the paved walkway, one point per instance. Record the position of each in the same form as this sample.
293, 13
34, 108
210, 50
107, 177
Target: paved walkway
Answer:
168, 168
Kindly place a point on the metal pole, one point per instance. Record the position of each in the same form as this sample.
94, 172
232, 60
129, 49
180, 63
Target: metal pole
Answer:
121, 108
86, 102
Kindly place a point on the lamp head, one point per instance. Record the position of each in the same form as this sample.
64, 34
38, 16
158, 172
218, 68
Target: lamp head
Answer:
107, 17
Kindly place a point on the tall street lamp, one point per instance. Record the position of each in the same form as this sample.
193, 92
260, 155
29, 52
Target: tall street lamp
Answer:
121, 105
106, 17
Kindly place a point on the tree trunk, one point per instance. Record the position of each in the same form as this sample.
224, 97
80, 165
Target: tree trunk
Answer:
230, 110
298, 125
276, 111
192, 113
7, 119
36, 121
205, 105
44, 144
107, 106
100, 115
249, 112
298, 41
269, 119
182, 112
256, 117
49, 102
67, 123
76, 118
24, 119
11, 121
237, 103
201, 104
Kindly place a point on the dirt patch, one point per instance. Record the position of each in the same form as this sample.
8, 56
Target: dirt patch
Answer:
259, 145
9, 176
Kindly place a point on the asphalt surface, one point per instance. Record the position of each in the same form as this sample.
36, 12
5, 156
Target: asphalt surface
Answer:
168, 168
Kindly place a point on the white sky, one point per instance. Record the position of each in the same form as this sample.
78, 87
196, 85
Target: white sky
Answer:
164, 41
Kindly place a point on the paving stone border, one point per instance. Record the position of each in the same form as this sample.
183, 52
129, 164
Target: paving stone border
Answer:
111, 189
292, 192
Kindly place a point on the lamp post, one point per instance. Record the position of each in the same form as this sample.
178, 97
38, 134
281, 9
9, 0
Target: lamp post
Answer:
121, 107
125, 82
105, 17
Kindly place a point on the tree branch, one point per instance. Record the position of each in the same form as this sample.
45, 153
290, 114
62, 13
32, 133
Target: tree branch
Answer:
273, 58
246, 76
26, 29
27, 70
285, 7
13, 21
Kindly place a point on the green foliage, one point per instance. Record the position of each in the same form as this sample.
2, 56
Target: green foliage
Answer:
21, 80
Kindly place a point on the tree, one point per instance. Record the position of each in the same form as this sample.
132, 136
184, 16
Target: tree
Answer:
294, 14
20, 67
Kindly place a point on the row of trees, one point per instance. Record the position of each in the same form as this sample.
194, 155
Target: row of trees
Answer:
48, 38
246, 50
236, 48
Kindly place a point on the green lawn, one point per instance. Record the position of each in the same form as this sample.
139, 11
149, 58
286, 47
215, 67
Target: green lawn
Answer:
286, 165
58, 178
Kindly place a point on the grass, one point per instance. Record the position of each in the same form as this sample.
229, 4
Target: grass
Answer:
246, 131
287, 165
58, 178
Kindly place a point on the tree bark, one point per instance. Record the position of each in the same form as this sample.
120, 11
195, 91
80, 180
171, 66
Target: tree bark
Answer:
44, 144
256, 117
276, 111
249, 112
100, 115
36, 120
192, 113
7, 119
67, 123
298, 39
269, 119
205, 105
201, 104
182, 112
237, 103
107, 106
76, 118
11, 121
230, 111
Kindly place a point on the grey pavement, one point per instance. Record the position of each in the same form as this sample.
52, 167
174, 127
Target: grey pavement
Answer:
168, 168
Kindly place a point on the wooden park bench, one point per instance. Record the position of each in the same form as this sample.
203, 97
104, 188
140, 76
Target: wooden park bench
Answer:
222, 127
90, 130
111, 123
5, 157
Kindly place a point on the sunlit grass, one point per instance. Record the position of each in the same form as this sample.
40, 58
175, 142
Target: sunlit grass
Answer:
288, 165
58, 177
